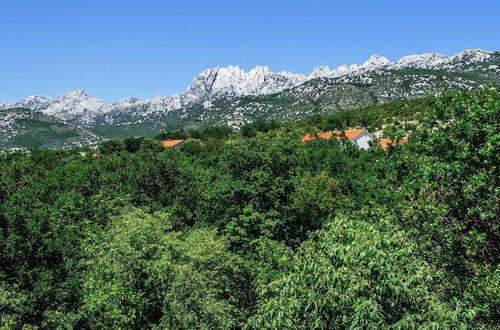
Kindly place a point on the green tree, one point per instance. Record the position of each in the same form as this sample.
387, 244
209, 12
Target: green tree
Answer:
111, 147
248, 131
452, 191
313, 201
133, 144
356, 273
217, 132
140, 274
193, 147
151, 145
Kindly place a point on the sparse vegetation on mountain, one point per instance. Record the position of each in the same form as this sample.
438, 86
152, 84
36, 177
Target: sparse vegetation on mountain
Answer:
235, 98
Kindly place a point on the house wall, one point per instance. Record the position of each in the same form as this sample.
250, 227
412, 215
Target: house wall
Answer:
178, 145
363, 139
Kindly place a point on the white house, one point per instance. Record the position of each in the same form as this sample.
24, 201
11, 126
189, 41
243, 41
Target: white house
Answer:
359, 136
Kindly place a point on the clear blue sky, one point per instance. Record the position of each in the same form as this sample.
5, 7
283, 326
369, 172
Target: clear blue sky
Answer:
144, 48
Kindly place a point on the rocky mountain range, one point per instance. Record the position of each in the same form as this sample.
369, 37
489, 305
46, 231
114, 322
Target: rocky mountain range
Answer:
232, 96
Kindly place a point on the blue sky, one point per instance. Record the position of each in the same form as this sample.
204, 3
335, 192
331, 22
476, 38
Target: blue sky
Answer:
144, 48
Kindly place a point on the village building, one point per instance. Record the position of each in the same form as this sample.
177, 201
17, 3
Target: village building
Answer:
359, 136
174, 144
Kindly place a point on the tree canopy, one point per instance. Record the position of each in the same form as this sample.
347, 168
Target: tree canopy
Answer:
257, 230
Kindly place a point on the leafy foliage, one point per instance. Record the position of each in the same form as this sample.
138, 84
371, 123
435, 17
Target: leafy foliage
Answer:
360, 273
262, 231
141, 273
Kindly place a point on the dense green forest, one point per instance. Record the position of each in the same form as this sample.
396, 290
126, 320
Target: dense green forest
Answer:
257, 230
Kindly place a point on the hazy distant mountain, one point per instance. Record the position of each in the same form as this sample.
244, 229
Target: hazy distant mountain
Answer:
231, 96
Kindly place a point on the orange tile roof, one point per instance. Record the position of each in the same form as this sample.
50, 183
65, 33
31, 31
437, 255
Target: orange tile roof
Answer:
96, 154
350, 134
171, 143
385, 143
308, 137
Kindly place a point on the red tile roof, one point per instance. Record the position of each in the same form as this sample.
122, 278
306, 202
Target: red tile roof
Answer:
171, 143
350, 134
385, 143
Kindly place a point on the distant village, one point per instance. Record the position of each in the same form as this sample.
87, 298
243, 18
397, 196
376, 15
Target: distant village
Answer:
361, 137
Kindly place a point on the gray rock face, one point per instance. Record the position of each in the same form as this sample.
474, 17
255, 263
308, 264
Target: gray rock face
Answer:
232, 96
232, 82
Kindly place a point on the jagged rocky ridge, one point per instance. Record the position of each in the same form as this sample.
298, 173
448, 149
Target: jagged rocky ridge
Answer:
231, 96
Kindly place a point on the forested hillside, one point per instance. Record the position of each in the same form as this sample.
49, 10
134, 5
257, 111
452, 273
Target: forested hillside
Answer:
257, 230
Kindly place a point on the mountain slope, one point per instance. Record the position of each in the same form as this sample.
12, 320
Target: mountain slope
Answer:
316, 96
28, 128
326, 95
234, 97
